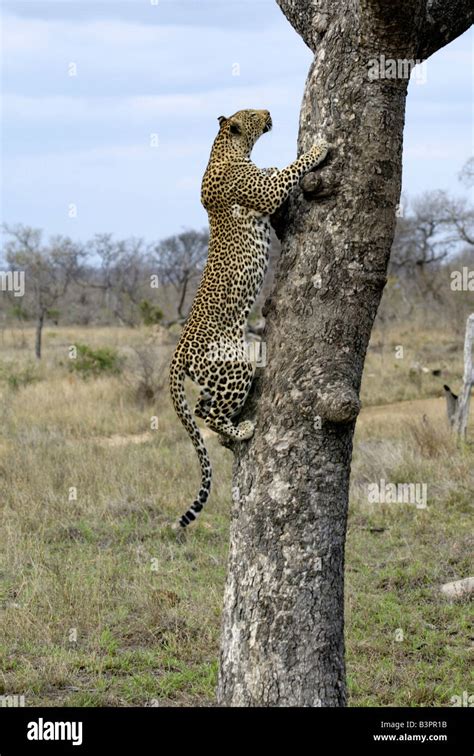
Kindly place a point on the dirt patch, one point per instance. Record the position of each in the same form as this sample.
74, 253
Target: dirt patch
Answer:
434, 408
135, 438
119, 440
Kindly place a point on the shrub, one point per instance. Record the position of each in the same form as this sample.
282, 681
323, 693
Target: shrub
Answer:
151, 314
147, 374
53, 315
94, 362
432, 440
18, 377
19, 312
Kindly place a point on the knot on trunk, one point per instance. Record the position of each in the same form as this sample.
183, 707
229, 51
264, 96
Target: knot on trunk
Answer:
337, 403
333, 401
319, 185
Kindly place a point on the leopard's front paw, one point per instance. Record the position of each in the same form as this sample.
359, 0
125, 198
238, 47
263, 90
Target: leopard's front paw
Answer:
320, 150
245, 430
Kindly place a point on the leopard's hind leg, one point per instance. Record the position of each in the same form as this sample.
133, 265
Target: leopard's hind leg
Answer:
203, 404
229, 393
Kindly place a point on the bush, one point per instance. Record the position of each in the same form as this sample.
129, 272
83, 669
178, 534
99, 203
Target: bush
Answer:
53, 315
147, 374
94, 362
432, 440
151, 314
19, 377
19, 312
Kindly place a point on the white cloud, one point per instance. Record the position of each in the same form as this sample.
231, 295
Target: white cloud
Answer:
87, 137
28, 35
150, 58
142, 109
91, 109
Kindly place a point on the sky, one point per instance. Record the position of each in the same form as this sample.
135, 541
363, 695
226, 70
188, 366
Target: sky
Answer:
110, 108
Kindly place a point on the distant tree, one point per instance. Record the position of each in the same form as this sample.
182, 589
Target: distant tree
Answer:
461, 216
180, 260
466, 175
49, 269
435, 226
122, 275
435, 229
425, 235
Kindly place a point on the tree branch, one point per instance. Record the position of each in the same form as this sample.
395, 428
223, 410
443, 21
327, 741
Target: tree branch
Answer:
309, 18
444, 21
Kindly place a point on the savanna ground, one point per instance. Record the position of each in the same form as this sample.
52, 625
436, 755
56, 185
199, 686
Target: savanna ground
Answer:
102, 606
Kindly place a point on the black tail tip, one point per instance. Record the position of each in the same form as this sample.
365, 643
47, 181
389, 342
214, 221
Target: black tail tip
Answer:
187, 518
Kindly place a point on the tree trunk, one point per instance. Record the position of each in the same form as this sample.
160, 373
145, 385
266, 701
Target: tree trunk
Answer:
184, 288
283, 624
458, 406
39, 334
462, 413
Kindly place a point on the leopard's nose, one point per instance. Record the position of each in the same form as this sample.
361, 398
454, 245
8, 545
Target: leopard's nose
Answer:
268, 122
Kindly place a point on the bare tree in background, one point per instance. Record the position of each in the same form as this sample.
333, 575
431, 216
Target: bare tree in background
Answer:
466, 174
424, 237
49, 269
434, 234
283, 623
123, 275
180, 260
434, 226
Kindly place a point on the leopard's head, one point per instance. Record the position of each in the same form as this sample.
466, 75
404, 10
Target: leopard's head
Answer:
241, 130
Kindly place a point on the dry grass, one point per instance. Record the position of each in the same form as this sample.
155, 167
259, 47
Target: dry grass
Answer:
102, 606
400, 364
407, 646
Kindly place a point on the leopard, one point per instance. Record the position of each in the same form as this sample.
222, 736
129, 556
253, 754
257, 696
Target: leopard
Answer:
212, 351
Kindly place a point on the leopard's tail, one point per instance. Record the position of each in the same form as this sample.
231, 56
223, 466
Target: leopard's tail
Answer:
181, 406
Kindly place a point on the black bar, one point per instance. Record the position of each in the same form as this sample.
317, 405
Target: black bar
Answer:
155, 730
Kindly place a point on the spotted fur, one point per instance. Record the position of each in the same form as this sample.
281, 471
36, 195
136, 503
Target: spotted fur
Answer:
239, 198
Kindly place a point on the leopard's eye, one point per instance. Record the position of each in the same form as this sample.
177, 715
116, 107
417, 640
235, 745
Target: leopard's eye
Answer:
234, 129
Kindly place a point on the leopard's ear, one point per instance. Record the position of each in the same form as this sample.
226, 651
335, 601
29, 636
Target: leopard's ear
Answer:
234, 126
222, 120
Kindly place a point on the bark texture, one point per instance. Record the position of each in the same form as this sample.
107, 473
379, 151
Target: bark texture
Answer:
283, 624
458, 406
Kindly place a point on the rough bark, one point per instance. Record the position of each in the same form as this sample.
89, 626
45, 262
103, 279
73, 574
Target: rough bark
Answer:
283, 626
462, 413
458, 406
